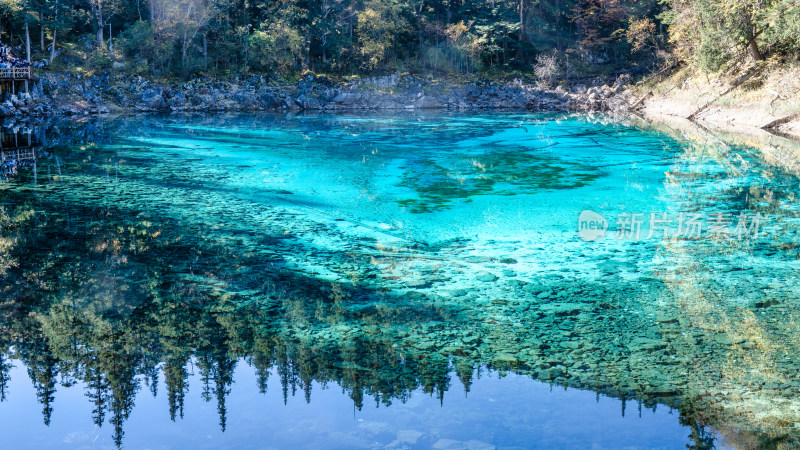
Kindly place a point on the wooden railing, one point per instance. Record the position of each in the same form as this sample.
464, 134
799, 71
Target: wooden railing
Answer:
19, 154
15, 73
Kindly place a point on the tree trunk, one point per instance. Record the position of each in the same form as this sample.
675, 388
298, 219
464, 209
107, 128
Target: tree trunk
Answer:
53, 47
752, 47
521, 27
41, 29
205, 49
184, 45
307, 51
55, 31
98, 10
738, 83
324, 42
27, 31
93, 13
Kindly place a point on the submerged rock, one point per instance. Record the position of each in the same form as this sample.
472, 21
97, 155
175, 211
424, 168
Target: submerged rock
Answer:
766, 303
409, 436
562, 309
486, 277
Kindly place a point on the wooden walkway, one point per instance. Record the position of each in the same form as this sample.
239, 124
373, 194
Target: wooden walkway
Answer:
15, 73
16, 79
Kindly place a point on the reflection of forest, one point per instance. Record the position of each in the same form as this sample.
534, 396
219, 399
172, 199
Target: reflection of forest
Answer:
105, 301
104, 295
106, 298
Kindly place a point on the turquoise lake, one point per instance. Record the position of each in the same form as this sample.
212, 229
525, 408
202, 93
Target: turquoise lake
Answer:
396, 281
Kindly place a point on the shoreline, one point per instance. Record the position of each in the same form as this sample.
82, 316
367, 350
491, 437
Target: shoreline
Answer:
64, 94
67, 95
722, 119
765, 97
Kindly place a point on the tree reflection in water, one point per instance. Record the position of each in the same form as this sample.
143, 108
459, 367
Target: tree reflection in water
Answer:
115, 297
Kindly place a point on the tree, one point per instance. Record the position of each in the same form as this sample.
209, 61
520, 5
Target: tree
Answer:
380, 25
743, 19
713, 32
58, 23
277, 46
184, 20
98, 20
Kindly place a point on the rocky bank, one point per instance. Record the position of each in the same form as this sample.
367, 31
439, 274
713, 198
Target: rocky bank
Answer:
69, 94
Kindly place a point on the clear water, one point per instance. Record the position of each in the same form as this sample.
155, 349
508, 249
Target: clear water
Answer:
400, 281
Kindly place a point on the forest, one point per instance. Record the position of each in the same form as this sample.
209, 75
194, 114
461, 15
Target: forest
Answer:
284, 38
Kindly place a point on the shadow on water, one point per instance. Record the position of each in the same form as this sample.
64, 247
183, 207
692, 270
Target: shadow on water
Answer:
114, 295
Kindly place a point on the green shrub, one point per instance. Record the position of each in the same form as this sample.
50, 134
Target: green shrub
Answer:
713, 53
